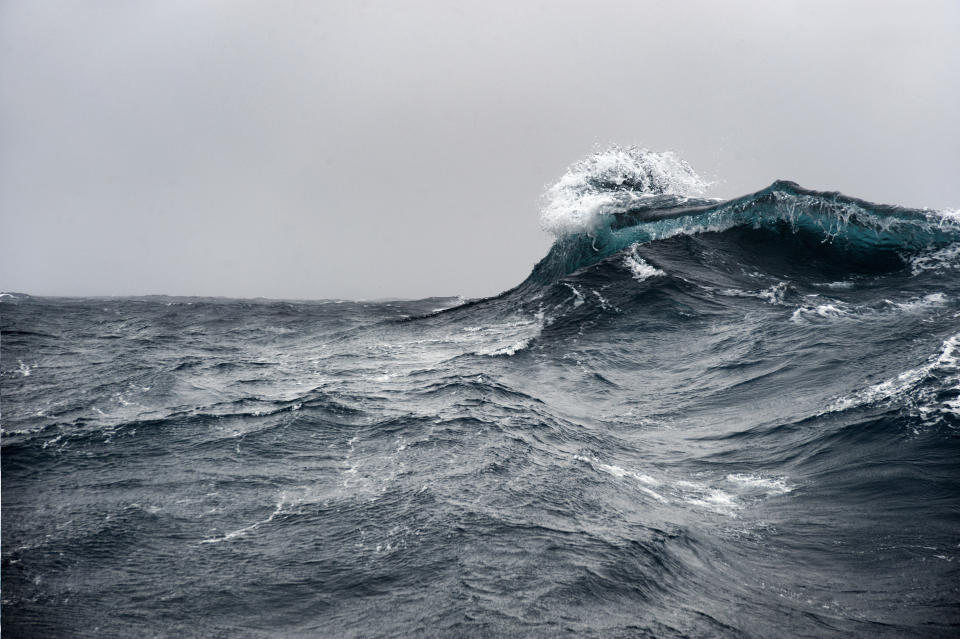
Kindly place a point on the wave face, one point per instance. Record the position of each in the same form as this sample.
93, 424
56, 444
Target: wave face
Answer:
620, 197
694, 418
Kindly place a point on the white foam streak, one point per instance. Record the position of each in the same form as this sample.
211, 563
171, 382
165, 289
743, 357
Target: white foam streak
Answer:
640, 268
767, 485
838, 310
726, 497
246, 529
908, 386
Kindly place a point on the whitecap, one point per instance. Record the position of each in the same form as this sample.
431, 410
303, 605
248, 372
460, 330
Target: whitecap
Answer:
594, 186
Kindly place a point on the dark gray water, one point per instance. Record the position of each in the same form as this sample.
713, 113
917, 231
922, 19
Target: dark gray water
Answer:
737, 421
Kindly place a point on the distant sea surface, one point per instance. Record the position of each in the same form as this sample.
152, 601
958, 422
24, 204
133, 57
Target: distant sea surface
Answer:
695, 418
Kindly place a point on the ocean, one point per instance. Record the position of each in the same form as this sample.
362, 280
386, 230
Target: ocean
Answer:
694, 418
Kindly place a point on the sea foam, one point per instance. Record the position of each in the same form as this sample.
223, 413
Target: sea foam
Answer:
604, 181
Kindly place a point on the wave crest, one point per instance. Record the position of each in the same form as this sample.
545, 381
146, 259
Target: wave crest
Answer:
624, 196
611, 180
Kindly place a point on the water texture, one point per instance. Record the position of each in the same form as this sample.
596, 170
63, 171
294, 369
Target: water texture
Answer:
695, 418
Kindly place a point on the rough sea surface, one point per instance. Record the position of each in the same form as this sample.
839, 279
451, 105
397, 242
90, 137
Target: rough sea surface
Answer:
694, 419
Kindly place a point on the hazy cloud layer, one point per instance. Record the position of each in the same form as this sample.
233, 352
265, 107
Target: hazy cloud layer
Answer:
348, 149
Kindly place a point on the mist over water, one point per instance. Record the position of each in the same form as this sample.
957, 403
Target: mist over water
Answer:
694, 418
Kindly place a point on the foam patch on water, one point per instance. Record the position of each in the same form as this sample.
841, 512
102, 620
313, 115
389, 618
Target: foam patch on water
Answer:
766, 485
606, 179
828, 311
578, 298
835, 309
728, 496
947, 258
646, 481
641, 269
841, 285
921, 303
712, 499
920, 388
775, 294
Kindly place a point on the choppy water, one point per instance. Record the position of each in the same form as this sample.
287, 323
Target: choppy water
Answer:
694, 419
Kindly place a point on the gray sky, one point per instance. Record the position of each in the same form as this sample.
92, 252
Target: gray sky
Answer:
398, 149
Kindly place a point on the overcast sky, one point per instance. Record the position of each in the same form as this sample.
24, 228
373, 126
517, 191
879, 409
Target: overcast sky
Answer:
322, 149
